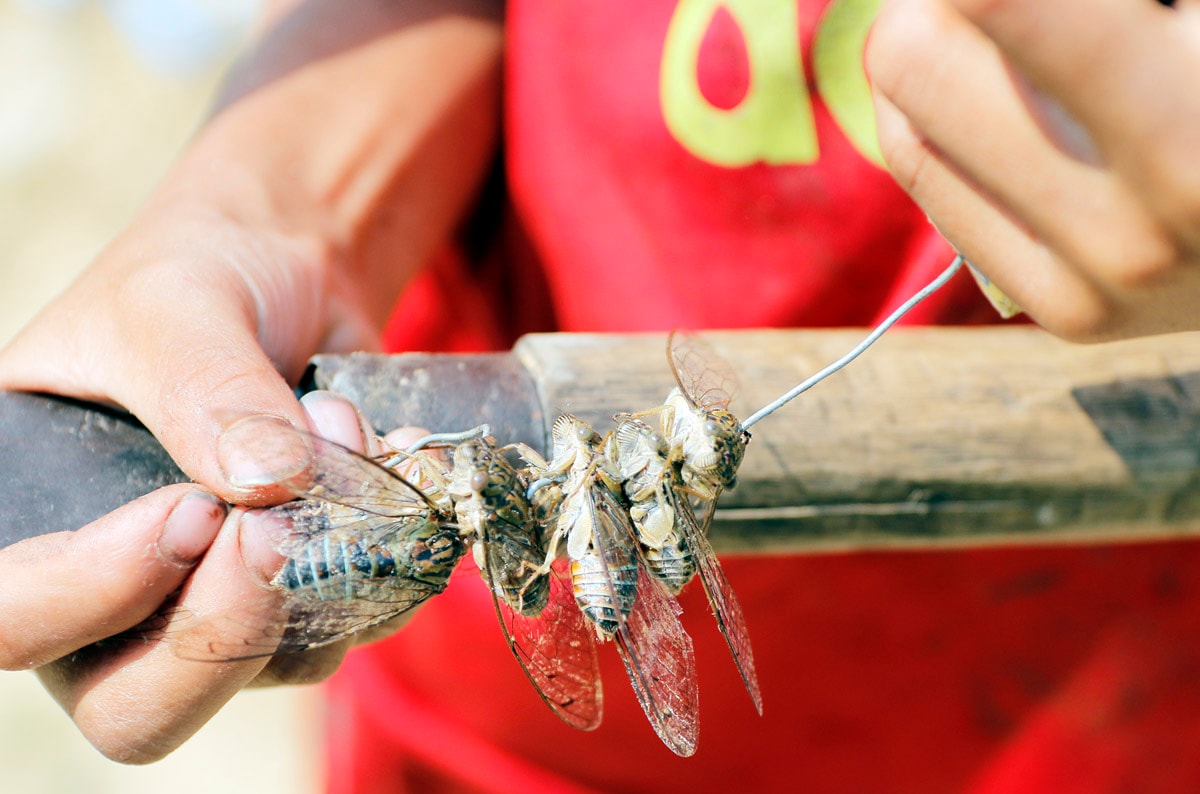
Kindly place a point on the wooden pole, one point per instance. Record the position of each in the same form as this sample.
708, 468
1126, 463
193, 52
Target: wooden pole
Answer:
935, 437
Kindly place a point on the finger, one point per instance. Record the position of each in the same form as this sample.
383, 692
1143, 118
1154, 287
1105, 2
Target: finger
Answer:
404, 437
1123, 68
1053, 294
138, 700
63, 591
1099, 57
179, 342
950, 82
335, 418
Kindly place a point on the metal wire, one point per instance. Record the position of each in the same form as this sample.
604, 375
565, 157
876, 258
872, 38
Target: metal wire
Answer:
870, 339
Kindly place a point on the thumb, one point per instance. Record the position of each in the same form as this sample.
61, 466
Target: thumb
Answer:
188, 370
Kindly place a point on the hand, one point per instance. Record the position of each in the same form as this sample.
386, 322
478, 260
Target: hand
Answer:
1054, 144
265, 244
65, 595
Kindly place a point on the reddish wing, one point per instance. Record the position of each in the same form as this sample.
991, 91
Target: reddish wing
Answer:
557, 652
725, 605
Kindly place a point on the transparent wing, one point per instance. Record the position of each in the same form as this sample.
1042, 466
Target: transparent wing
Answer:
337, 474
706, 379
653, 645
349, 504
724, 603
335, 603
291, 627
557, 652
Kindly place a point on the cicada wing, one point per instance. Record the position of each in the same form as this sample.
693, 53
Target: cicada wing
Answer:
660, 663
706, 380
556, 650
653, 645
333, 602
724, 602
335, 473
293, 626
292, 526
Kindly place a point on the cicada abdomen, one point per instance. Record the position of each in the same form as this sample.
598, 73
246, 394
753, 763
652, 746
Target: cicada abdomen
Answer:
605, 584
612, 589
645, 463
349, 562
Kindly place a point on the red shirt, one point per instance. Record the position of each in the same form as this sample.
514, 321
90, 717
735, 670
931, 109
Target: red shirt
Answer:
664, 170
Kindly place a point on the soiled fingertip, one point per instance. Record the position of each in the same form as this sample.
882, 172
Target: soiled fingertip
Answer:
259, 535
405, 437
191, 527
337, 419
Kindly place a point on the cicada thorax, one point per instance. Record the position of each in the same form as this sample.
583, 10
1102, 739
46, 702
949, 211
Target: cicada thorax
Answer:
490, 502
340, 565
711, 444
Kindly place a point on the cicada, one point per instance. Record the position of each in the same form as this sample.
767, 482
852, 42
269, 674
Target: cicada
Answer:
691, 461
533, 597
612, 587
361, 546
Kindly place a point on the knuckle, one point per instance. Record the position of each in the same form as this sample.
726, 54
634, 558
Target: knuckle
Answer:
909, 159
1136, 263
989, 13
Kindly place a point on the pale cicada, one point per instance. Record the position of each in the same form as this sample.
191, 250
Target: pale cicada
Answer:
360, 545
534, 601
612, 587
691, 461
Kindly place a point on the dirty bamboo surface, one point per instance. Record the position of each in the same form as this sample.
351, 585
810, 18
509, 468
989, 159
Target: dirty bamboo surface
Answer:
935, 437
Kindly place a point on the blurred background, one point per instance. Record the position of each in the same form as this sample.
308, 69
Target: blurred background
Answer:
96, 97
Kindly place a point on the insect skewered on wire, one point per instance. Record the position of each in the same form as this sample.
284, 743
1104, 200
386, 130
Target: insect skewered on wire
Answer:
534, 602
361, 546
695, 457
612, 586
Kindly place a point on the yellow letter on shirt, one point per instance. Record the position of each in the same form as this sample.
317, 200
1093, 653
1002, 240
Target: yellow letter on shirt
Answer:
773, 123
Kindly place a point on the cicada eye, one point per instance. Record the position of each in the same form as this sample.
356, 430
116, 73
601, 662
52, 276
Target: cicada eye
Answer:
712, 427
479, 481
583, 432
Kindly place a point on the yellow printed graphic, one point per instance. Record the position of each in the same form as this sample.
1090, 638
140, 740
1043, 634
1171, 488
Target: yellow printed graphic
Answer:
774, 121
838, 63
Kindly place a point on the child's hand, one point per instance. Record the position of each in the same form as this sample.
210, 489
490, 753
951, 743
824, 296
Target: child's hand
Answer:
1054, 144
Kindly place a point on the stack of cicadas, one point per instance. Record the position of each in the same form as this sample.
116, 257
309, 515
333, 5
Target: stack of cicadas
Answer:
590, 544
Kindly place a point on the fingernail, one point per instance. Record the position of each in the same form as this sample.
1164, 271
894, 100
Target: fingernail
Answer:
191, 527
335, 418
259, 450
260, 533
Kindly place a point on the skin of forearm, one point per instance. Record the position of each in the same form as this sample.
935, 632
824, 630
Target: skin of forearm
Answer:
363, 128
